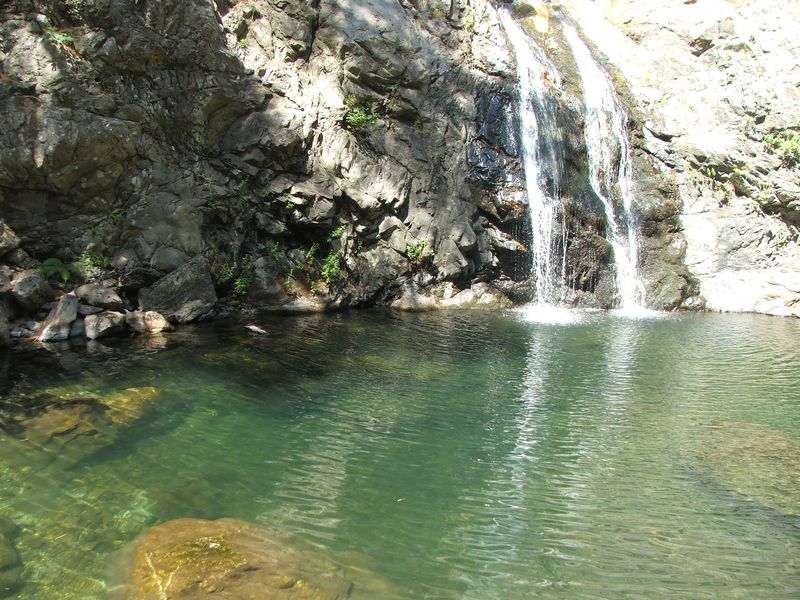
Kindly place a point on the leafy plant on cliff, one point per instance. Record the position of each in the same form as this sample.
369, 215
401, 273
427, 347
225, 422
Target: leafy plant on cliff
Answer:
90, 263
242, 283
786, 144
359, 115
332, 267
58, 37
54, 266
417, 254
335, 234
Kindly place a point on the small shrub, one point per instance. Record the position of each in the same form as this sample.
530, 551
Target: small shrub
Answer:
359, 115
332, 267
469, 23
335, 234
54, 266
226, 273
786, 144
89, 262
312, 252
59, 37
242, 283
243, 43
417, 253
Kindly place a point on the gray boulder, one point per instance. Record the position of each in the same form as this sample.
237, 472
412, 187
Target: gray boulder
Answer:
183, 295
167, 259
95, 294
104, 324
147, 321
8, 239
30, 289
58, 323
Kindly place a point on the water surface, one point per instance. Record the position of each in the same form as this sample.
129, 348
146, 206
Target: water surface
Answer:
463, 455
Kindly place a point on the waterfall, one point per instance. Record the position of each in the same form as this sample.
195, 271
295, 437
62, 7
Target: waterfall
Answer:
543, 158
609, 167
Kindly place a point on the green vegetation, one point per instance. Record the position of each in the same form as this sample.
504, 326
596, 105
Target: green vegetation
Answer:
786, 144
469, 23
312, 252
332, 267
54, 266
335, 234
226, 273
278, 261
417, 254
359, 115
243, 43
438, 12
89, 262
242, 283
522, 10
58, 37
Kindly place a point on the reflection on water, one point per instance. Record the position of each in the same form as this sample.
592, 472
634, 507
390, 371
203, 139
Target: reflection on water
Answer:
458, 455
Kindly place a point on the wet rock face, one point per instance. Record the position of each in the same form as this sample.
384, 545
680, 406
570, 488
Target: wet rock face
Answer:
177, 129
715, 100
191, 558
155, 133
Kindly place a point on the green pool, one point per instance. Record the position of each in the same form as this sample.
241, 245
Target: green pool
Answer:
472, 455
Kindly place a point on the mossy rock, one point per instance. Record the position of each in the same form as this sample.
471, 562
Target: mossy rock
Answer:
226, 558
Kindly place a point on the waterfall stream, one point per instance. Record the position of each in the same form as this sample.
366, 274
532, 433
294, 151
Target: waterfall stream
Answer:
543, 158
609, 167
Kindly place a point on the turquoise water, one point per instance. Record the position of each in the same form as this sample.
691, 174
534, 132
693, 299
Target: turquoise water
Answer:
457, 455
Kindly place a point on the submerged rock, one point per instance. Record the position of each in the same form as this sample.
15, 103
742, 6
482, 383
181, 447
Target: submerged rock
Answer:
195, 559
72, 426
10, 567
758, 463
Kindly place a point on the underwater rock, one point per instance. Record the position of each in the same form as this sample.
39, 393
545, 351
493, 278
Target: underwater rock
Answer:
72, 428
129, 405
757, 463
10, 568
195, 559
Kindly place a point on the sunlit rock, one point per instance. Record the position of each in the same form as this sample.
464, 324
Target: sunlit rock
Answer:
195, 559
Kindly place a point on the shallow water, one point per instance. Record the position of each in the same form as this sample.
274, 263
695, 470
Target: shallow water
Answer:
458, 455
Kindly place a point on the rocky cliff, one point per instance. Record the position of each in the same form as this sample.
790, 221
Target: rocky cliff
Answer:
186, 155
715, 87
